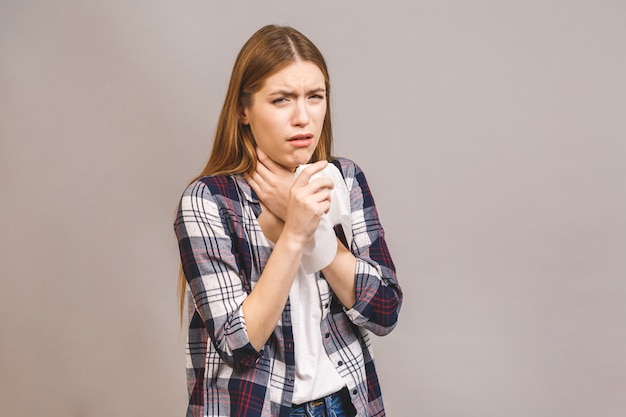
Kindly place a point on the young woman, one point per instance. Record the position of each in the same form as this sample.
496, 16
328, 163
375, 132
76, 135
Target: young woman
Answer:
282, 251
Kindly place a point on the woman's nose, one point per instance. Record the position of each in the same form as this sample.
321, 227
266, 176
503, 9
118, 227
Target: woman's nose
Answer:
301, 115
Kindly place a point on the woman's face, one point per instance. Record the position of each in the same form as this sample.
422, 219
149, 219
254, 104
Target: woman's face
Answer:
287, 114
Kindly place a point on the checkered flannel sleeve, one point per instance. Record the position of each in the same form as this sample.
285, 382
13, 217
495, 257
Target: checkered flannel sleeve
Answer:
205, 235
378, 294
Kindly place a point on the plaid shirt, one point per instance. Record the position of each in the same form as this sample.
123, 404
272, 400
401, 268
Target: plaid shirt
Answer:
223, 252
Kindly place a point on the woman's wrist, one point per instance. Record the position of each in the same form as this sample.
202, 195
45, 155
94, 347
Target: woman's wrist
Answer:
293, 240
271, 225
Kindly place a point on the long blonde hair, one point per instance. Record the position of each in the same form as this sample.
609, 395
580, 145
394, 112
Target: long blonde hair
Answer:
268, 50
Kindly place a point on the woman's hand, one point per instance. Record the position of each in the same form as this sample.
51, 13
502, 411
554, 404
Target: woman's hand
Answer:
308, 201
271, 183
276, 187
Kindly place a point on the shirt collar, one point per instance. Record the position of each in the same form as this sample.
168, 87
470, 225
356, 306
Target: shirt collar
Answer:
246, 190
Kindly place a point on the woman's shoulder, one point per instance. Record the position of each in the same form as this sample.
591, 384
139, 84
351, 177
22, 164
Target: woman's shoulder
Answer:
213, 186
347, 167
220, 180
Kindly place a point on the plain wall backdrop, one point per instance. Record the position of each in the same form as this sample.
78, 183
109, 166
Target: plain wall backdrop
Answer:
493, 134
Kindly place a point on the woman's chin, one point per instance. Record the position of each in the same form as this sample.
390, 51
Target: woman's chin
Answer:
302, 158
292, 161
293, 164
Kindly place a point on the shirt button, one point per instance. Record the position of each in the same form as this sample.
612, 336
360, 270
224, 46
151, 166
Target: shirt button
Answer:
339, 363
354, 391
327, 335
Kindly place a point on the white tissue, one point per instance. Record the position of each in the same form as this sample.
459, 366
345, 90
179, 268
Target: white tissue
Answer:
322, 249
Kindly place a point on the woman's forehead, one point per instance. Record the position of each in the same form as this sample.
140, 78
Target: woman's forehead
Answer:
299, 75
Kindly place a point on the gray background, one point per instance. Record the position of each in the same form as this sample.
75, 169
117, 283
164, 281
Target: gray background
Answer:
494, 137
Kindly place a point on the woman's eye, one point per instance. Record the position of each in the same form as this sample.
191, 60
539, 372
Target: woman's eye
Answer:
317, 97
279, 100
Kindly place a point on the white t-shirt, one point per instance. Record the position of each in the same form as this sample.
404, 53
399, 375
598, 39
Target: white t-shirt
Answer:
316, 375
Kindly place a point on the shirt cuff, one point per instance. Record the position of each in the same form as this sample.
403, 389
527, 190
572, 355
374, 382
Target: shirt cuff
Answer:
238, 344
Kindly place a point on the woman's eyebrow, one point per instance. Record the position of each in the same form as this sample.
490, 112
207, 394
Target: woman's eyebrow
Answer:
288, 93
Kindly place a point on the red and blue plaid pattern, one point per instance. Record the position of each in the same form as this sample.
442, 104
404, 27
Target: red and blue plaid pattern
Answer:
223, 252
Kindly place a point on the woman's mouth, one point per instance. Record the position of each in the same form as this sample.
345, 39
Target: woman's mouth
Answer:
301, 141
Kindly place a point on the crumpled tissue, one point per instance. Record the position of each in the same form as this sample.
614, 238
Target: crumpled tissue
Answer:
322, 249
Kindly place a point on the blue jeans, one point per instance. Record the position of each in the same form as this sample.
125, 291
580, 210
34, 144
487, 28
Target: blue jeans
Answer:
333, 405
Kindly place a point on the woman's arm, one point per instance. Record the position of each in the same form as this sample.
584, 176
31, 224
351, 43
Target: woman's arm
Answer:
307, 202
378, 296
363, 277
240, 323
212, 266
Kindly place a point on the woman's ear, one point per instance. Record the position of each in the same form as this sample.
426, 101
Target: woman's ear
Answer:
242, 113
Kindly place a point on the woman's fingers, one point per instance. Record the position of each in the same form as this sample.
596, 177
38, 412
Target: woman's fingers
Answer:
271, 183
299, 202
309, 198
306, 174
